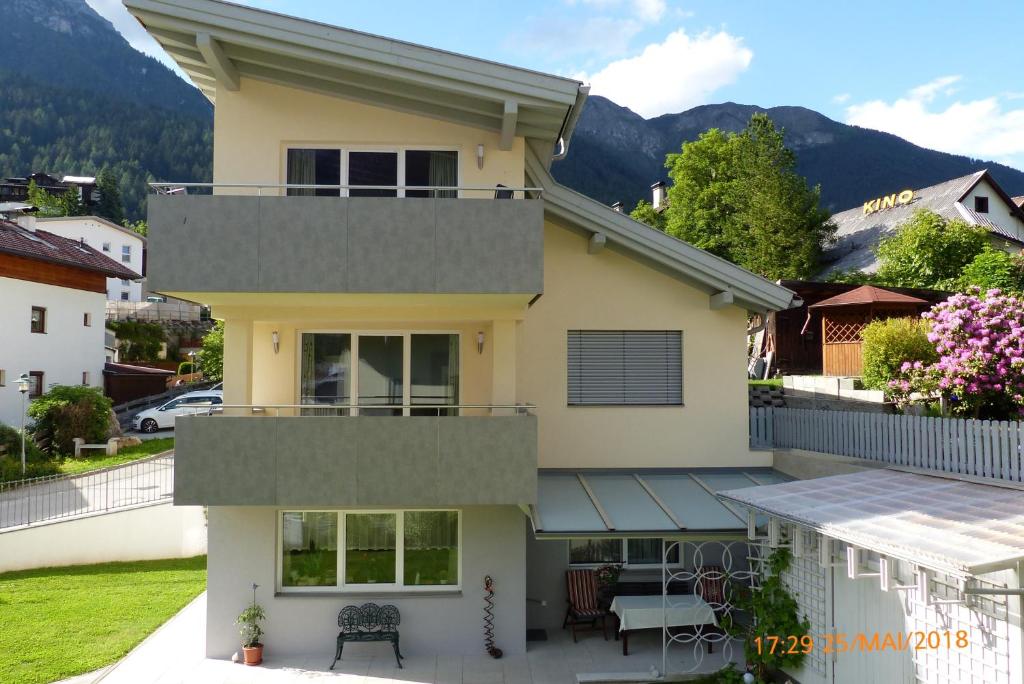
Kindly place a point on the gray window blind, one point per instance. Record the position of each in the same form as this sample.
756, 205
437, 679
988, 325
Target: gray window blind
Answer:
616, 367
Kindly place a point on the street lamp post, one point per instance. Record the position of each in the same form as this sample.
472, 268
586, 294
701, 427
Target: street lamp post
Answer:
23, 382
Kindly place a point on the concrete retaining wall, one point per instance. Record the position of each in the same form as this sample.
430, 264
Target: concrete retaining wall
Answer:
145, 533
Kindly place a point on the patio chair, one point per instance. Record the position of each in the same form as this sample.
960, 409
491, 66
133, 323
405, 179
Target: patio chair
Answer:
582, 598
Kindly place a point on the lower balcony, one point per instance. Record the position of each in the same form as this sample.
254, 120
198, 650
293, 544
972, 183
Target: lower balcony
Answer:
260, 456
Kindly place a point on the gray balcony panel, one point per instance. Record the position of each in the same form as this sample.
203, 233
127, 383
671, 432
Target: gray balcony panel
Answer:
201, 243
470, 478
234, 451
208, 240
303, 241
397, 461
391, 245
355, 461
467, 252
322, 446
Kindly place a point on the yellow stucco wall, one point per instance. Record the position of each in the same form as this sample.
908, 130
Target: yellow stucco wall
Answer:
610, 291
256, 124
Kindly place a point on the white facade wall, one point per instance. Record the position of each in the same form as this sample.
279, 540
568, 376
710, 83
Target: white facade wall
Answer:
144, 533
243, 548
998, 212
62, 353
100, 233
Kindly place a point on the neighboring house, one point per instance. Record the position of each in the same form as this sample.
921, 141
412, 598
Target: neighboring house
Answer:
976, 199
52, 297
439, 362
15, 189
117, 242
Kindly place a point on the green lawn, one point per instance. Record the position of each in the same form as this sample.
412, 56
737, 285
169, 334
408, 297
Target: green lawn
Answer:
60, 622
96, 459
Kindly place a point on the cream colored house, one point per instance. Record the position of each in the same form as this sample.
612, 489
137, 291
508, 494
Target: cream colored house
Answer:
438, 361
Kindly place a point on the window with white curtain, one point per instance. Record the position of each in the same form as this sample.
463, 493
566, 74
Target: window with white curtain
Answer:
432, 170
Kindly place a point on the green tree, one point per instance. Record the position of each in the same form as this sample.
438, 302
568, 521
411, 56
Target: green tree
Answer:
138, 341
888, 344
644, 212
67, 203
66, 412
140, 226
930, 251
994, 268
211, 356
110, 205
738, 195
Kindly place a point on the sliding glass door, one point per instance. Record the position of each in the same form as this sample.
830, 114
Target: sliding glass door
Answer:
382, 374
436, 169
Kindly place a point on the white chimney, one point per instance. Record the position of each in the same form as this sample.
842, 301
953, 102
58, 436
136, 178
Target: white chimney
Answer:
27, 221
617, 207
659, 195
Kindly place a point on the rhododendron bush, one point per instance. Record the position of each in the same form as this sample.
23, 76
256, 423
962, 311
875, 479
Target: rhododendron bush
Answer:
980, 372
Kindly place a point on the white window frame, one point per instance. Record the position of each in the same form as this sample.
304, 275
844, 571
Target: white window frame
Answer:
126, 254
106, 247
341, 587
626, 565
344, 149
354, 335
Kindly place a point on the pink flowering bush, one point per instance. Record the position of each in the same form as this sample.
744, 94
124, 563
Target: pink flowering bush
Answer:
980, 342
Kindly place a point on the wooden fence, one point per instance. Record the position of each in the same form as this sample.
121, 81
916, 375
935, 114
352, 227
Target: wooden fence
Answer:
981, 448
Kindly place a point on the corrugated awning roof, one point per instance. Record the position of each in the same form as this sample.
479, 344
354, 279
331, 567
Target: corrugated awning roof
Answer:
623, 502
945, 524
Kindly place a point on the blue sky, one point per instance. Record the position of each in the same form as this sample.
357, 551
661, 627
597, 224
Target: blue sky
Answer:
945, 75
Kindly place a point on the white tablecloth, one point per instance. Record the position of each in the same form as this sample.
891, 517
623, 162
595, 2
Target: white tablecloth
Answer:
645, 612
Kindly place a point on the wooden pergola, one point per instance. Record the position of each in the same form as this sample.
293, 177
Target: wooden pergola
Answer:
844, 317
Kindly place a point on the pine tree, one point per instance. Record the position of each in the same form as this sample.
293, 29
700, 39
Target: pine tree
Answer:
109, 206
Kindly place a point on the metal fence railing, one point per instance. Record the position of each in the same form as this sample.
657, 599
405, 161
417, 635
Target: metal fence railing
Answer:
146, 481
982, 448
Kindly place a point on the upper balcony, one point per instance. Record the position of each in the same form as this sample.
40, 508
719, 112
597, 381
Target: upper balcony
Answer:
247, 238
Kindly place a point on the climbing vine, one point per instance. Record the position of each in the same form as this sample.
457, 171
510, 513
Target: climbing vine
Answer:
772, 633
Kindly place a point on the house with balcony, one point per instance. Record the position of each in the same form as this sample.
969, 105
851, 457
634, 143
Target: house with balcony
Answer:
439, 364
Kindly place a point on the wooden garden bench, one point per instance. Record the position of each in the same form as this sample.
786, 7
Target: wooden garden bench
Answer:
368, 622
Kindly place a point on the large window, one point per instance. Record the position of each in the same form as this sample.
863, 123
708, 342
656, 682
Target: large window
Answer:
432, 169
375, 365
379, 549
625, 368
629, 552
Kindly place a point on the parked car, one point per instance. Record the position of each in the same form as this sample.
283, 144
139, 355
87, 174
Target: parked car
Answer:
190, 403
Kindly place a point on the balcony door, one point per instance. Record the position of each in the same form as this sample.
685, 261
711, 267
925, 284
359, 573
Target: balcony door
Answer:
379, 374
433, 170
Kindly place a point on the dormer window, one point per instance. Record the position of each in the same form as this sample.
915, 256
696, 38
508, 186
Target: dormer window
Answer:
981, 205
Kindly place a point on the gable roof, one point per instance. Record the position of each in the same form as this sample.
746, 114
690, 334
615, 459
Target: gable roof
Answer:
867, 294
857, 233
701, 269
55, 249
98, 219
218, 43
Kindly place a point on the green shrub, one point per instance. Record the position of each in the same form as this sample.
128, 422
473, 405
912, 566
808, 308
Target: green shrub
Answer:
138, 341
66, 412
37, 463
887, 344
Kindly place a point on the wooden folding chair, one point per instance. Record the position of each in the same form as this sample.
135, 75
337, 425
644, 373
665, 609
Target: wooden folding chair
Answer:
582, 598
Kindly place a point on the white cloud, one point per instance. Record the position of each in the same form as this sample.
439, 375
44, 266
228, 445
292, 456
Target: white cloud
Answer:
979, 128
649, 10
841, 98
674, 75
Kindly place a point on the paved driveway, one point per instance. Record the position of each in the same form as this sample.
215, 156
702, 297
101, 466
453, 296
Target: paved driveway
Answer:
142, 482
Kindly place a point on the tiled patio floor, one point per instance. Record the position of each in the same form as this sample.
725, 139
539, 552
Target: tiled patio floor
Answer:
173, 655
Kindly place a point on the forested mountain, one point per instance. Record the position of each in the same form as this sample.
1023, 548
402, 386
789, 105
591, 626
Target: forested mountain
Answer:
75, 96
616, 154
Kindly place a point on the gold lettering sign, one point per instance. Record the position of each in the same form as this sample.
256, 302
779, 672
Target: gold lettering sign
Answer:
888, 201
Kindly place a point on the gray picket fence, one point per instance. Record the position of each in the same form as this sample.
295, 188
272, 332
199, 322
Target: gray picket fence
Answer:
982, 448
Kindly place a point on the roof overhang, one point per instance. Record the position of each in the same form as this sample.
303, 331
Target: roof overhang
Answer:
219, 44
944, 523
666, 502
725, 282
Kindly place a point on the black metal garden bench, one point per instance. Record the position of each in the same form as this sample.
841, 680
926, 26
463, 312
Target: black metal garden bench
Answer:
368, 622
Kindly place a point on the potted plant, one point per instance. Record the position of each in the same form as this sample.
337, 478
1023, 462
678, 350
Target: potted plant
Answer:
607, 580
249, 627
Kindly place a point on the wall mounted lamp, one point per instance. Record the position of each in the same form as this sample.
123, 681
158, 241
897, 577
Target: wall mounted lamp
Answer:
480, 156
480, 342
275, 338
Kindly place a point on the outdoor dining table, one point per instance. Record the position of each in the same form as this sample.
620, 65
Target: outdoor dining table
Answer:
648, 612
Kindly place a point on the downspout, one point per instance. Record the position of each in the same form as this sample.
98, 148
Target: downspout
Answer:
569, 124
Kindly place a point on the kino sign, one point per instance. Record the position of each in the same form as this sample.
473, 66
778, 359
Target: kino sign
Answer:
888, 202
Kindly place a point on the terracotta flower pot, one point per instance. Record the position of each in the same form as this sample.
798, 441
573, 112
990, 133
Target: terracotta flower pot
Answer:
253, 654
